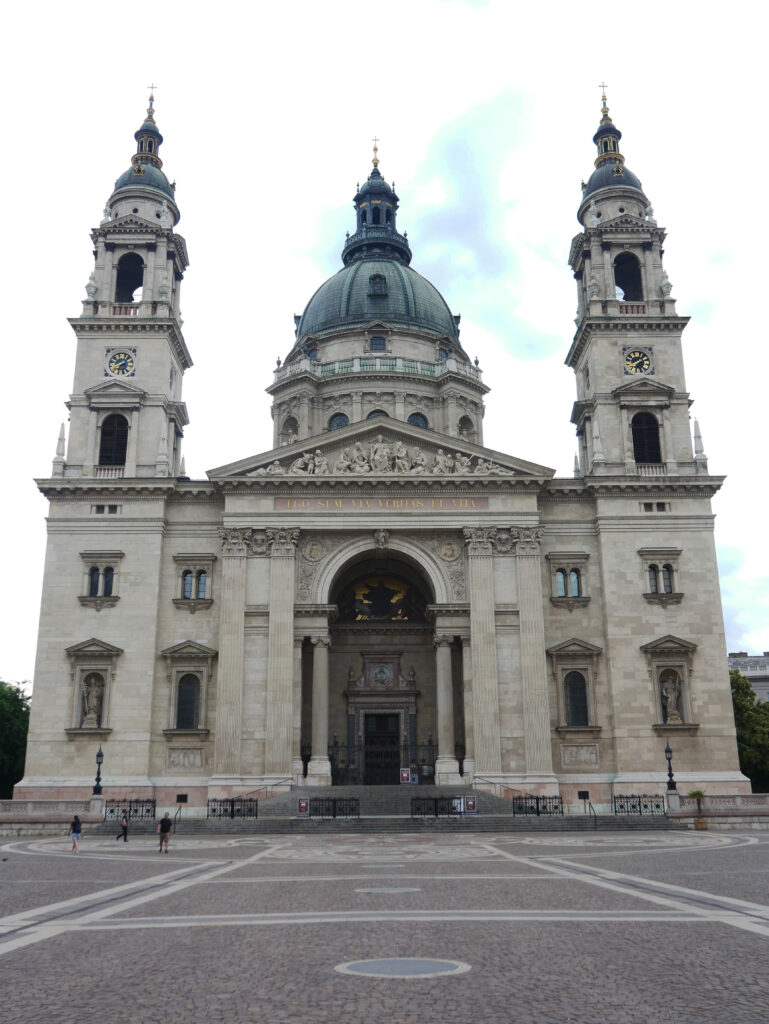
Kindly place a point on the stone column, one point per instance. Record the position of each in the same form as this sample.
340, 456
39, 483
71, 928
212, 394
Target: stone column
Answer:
627, 446
536, 711
280, 653
229, 691
297, 768
446, 765
488, 757
133, 443
319, 768
669, 451
467, 693
357, 406
92, 455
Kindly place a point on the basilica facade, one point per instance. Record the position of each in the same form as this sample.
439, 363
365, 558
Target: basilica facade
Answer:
380, 592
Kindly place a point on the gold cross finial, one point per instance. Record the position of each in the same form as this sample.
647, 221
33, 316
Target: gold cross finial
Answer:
604, 109
150, 110
375, 161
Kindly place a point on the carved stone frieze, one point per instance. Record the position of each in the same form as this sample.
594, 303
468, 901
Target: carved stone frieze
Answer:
312, 551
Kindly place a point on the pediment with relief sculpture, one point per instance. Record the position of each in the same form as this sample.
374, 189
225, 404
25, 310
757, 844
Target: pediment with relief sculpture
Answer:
381, 448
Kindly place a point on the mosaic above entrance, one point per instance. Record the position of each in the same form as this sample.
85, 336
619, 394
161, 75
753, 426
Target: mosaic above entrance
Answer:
375, 598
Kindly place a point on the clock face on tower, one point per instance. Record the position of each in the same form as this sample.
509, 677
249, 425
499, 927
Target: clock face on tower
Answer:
121, 364
637, 361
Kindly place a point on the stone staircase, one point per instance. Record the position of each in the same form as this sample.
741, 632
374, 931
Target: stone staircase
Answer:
388, 809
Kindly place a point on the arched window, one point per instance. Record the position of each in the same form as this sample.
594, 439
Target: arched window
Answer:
188, 702
627, 277
560, 583
338, 420
93, 582
667, 579
376, 215
200, 591
646, 438
466, 428
417, 419
187, 579
114, 440
654, 586
574, 583
575, 694
376, 412
130, 276
109, 576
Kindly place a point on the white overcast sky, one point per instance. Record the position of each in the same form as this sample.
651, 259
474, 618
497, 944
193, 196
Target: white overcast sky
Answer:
485, 111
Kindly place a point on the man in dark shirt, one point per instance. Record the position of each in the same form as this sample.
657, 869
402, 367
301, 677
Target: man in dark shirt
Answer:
165, 828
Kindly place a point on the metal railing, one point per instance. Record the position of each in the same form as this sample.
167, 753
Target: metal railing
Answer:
436, 807
537, 806
137, 810
334, 807
592, 812
232, 807
642, 803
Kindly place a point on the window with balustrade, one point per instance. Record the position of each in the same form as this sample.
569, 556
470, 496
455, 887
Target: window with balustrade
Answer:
660, 569
568, 578
646, 438
130, 277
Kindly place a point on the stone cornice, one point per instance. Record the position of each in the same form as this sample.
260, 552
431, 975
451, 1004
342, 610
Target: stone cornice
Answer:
109, 326
620, 486
627, 324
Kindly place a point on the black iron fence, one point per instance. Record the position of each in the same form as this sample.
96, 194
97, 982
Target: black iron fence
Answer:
333, 807
436, 806
644, 803
537, 806
137, 810
232, 807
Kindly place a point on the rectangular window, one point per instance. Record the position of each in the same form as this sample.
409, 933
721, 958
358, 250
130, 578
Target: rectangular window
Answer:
378, 345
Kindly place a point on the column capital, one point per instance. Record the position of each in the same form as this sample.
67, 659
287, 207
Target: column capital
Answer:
239, 540
283, 540
479, 539
320, 641
443, 640
527, 540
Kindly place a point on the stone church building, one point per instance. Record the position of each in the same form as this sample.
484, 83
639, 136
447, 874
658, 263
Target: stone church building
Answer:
380, 590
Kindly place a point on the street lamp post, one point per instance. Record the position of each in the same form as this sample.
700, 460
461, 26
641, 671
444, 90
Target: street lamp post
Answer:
669, 758
99, 763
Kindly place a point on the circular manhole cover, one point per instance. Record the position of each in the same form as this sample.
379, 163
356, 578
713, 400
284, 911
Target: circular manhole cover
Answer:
387, 891
403, 967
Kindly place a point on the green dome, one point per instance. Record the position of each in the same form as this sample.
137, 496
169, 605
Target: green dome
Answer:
351, 299
152, 177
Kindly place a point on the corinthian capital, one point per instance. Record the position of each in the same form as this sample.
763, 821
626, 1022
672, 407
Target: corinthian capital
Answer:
283, 541
479, 539
527, 540
235, 540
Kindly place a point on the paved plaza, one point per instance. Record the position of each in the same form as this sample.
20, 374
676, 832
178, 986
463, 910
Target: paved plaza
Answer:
641, 928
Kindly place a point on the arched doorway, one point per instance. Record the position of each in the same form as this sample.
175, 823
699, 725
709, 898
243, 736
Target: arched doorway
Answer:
383, 693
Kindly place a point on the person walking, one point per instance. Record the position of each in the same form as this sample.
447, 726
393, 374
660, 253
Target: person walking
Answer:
165, 828
75, 830
124, 828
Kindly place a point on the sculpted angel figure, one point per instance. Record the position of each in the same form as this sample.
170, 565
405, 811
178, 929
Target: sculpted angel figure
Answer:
419, 462
320, 463
344, 463
461, 462
402, 460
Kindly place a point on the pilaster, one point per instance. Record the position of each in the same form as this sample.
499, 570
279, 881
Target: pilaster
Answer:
483, 633
229, 694
280, 653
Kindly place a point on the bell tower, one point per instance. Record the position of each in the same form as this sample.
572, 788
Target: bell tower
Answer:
127, 416
631, 412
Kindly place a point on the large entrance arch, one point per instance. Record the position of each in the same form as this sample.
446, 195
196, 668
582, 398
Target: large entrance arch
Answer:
382, 690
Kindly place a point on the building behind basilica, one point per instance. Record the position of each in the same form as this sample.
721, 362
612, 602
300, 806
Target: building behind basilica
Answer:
380, 590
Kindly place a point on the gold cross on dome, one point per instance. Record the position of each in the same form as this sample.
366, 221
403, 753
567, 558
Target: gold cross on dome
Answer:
375, 161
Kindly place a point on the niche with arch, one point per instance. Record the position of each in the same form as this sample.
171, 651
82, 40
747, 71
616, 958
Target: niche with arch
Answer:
289, 431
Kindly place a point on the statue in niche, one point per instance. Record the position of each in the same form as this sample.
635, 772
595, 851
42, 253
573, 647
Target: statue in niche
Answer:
402, 460
343, 463
93, 698
670, 692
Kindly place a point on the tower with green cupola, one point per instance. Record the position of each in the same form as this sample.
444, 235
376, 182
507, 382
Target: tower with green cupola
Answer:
126, 411
632, 408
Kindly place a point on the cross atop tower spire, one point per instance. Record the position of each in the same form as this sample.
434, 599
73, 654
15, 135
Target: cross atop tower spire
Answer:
375, 160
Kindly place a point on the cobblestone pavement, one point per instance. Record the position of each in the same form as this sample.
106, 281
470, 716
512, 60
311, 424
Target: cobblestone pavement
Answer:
645, 928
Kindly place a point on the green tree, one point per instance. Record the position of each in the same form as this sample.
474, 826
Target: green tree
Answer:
14, 722
751, 716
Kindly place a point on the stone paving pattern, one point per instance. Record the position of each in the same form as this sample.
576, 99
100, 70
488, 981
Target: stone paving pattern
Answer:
614, 956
